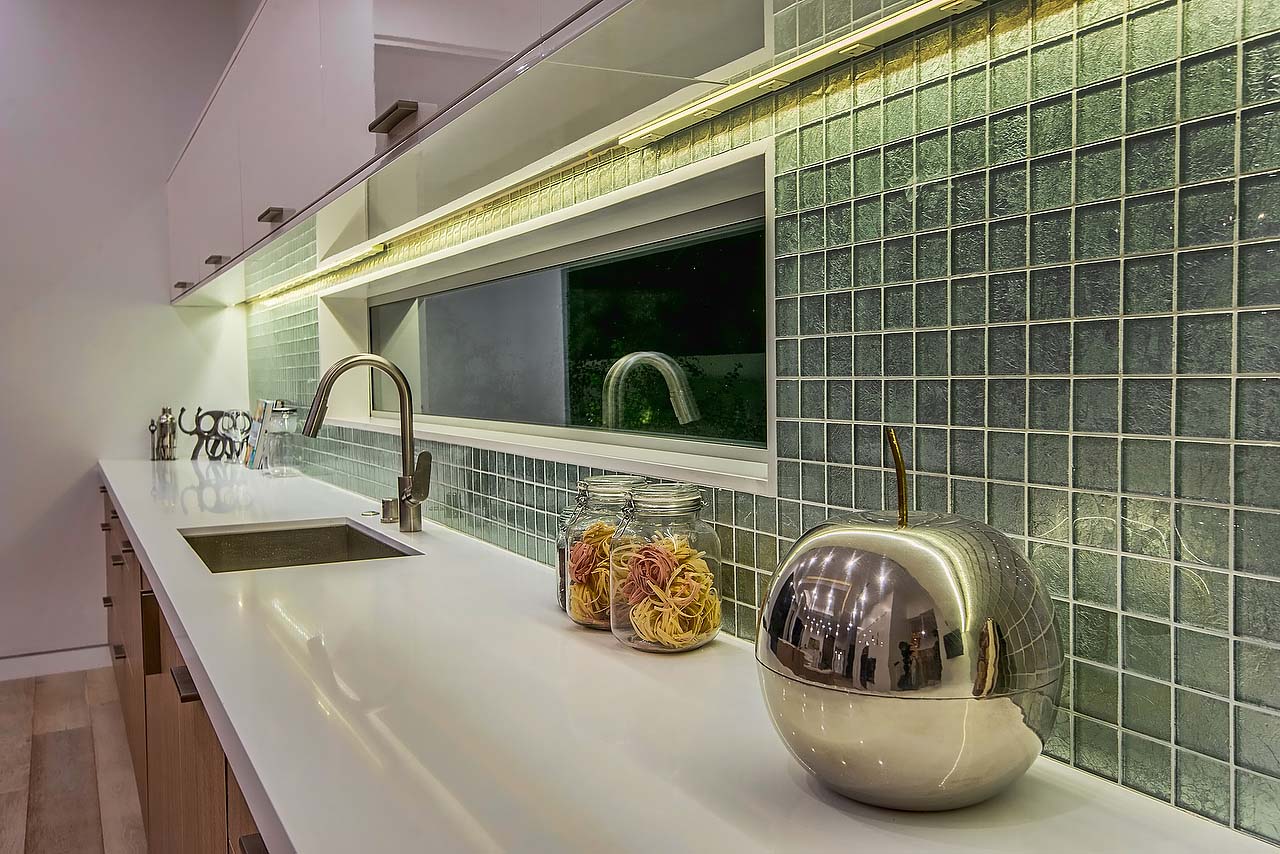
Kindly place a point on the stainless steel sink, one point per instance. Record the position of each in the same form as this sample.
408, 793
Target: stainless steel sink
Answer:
234, 549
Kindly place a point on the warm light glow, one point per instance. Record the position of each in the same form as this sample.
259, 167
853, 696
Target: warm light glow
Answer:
779, 76
284, 290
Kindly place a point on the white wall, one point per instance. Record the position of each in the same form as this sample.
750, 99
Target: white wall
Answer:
98, 98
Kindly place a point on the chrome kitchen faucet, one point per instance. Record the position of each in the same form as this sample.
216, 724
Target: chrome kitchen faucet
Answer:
414, 483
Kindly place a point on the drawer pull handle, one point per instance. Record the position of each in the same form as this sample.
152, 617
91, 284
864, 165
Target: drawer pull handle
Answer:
252, 844
114, 515
126, 548
272, 214
106, 601
102, 490
105, 527
117, 651
117, 560
187, 692
392, 116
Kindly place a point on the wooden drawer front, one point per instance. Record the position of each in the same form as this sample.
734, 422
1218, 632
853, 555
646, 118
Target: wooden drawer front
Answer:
240, 821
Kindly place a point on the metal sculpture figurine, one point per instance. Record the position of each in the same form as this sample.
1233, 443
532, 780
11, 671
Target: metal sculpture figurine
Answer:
220, 433
164, 435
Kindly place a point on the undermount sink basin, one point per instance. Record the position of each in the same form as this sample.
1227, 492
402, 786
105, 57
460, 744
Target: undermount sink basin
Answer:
235, 549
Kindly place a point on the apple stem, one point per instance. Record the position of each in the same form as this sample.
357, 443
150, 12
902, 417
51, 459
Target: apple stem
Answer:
900, 469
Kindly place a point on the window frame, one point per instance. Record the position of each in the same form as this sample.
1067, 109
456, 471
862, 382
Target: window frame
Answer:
669, 211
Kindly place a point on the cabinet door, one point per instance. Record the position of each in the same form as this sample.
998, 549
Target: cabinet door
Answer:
164, 811
278, 76
346, 54
240, 823
204, 193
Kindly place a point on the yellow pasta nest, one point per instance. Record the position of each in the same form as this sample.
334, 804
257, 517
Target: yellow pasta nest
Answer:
589, 575
668, 591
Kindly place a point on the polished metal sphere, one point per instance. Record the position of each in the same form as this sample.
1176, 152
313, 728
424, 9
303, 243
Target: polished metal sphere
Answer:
913, 665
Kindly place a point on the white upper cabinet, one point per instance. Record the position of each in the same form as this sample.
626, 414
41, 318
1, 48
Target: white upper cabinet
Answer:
290, 119
204, 196
277, 78
346, 77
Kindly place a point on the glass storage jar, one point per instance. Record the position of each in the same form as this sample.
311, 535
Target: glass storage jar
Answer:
587, 559
664, 562
567, 516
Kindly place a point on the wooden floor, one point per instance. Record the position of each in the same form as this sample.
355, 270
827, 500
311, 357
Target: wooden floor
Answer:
66, 780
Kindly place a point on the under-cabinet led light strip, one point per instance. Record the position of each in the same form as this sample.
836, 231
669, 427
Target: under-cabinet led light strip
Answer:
779, 76
337, 262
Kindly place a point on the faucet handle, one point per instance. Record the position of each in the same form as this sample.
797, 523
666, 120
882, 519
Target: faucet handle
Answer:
421, 486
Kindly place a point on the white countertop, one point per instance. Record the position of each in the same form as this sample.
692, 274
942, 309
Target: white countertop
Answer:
444, 703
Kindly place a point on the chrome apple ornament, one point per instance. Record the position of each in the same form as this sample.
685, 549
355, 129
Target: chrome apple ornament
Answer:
909, 662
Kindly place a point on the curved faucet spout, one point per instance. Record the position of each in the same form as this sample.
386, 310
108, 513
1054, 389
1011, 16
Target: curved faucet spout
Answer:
682, 400
414, 482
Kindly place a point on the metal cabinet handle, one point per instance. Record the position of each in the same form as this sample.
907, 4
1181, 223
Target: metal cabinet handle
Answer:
105, 527
114, 515
272, 214
126, 548
117, 651
106, 601
102, 490
117, 560
392, 116
217, 260
252, 844
187, 692
182, 286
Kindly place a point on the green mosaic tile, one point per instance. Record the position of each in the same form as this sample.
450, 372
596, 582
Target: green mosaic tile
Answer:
1207, 24
1147, 766
1257, 674
1007, 137
1150, 162
1151, 99
1204, 408
1203, 786
1209, 84
1153, 36
1257, 468
1257, 733
1052, 68
1146, 645
1096, 691
1147, 707
1260, 59
1097, 231
1145, 589
1145, 467
1051, 125
1258, 805
1208, 150
1051, 182
1260, 139
1099, 114
1257, 608
1260, 206
1100, 53
1097, 577
1201, 661
1096, 748
1149, 223
1099, 173
1258, 409
969, 95
1202, 724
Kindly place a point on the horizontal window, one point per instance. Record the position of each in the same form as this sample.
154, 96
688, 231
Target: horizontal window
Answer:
666, 339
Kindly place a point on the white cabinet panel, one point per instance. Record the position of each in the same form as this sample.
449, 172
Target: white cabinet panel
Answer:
346, 56
281, 112
204, 194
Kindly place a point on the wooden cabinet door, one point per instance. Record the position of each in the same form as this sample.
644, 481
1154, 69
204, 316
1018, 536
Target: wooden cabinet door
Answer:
163, 762
278, 77
240, 823
187, 788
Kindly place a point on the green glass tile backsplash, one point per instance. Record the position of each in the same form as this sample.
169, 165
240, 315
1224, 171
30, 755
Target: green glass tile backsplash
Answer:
1043, 241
